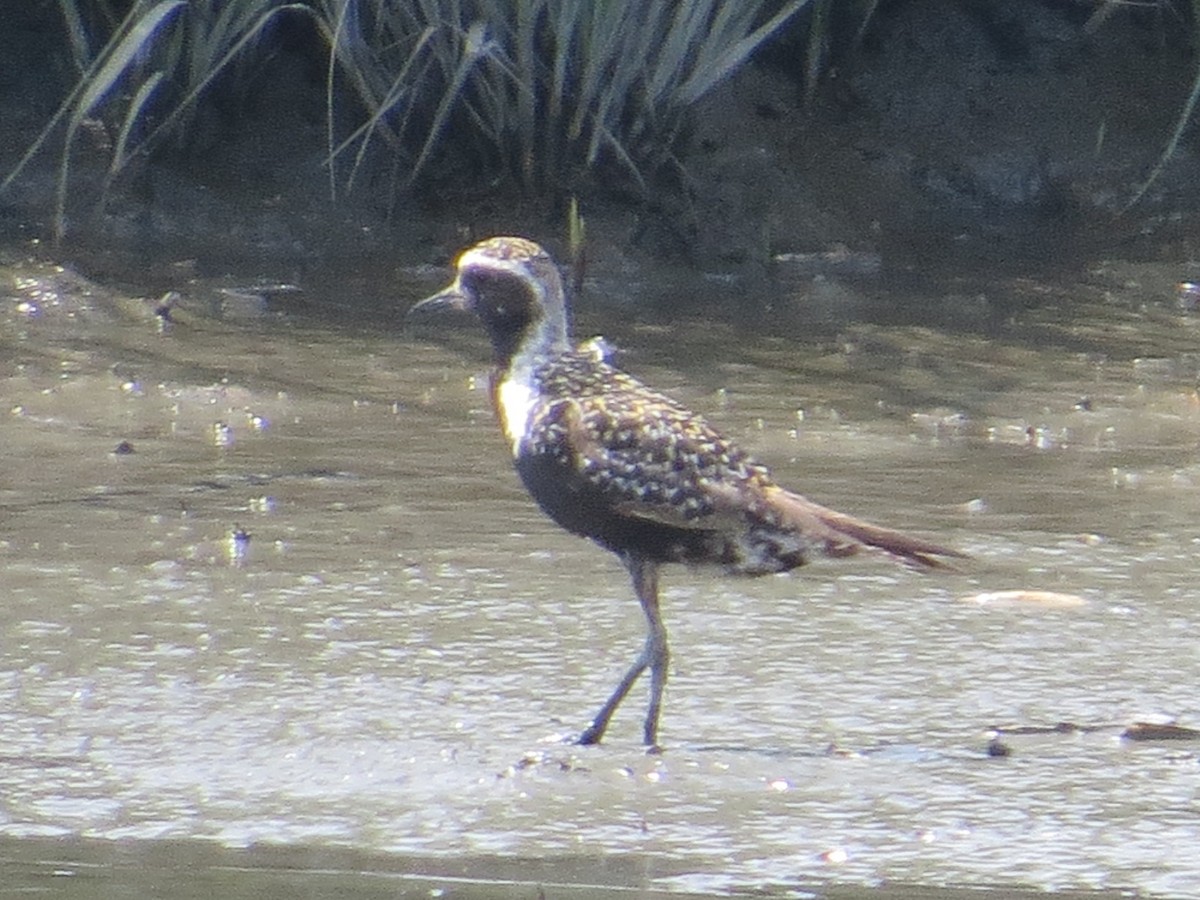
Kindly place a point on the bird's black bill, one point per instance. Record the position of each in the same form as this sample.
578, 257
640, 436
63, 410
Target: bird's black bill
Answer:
449, 299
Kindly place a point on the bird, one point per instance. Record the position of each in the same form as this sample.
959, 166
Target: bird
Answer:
609, 458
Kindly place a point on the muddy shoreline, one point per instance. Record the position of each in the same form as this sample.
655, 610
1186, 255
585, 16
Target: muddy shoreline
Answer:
948, 140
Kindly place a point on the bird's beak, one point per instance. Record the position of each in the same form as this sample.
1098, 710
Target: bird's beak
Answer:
452, 298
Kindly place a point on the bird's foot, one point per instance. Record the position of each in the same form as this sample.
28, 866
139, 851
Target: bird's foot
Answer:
591, 735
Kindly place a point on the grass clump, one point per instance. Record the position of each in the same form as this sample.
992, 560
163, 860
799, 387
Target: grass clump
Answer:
545, 92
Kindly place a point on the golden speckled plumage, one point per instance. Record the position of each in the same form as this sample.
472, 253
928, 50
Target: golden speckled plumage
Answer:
610, 459
641, 458
639, 446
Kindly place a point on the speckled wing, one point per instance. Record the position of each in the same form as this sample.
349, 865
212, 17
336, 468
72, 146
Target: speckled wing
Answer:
649, 456
655, 460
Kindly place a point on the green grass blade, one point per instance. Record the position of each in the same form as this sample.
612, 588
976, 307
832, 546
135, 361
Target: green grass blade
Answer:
120, 155
475, 46
115, 62
135, 42
250, 34
702, 80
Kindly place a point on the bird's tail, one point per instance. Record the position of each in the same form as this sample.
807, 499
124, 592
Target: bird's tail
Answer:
841, 535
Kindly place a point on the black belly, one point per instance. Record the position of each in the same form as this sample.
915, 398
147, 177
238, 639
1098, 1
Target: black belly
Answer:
582, 508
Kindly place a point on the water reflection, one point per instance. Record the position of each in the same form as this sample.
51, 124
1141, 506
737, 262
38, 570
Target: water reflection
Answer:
371, 684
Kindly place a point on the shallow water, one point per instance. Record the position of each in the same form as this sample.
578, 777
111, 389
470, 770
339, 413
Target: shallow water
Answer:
367, 695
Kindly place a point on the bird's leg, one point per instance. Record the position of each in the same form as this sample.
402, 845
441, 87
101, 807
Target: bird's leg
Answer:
595, 731
654, 655
645, 582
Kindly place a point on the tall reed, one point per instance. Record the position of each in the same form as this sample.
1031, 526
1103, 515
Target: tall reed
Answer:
541, 90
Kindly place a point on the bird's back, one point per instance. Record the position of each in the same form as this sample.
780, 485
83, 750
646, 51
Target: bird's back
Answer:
613, 460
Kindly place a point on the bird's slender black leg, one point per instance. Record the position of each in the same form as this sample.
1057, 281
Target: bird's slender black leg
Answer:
654, 655
595, 731
645, 582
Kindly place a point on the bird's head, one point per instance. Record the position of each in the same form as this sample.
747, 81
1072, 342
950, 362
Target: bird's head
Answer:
515, 289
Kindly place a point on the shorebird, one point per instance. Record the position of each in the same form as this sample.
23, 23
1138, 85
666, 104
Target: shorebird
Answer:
608, 458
